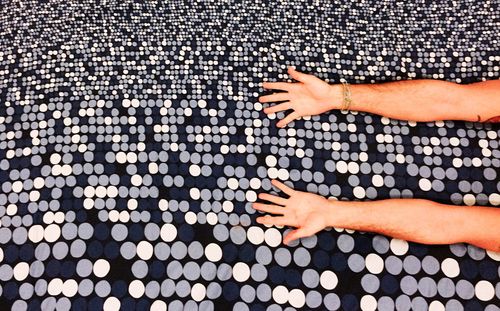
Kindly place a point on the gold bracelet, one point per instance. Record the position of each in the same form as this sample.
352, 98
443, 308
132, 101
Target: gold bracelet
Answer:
346, 90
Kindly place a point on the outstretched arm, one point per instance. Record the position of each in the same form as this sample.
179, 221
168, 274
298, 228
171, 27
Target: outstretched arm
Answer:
429, 100
416, 220
414, 100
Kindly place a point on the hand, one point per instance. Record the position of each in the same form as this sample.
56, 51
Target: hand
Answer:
310, 96
308, 212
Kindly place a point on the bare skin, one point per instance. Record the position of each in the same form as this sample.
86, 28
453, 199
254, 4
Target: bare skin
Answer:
414, 100
410, 219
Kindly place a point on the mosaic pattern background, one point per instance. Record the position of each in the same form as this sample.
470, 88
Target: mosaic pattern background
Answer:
132, 143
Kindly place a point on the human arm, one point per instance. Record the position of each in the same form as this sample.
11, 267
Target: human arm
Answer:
416, 100
416, 220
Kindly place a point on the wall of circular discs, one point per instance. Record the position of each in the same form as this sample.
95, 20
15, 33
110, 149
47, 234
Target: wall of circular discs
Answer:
132, 145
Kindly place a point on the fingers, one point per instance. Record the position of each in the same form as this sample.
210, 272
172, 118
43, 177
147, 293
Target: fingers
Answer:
289, 118
284, 86
272, 198
276, 97
299, 76
269, 208
296, 234
277, 108
282, 187
276, 220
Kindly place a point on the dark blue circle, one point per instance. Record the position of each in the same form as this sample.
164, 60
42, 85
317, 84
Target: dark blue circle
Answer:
112, 250
276, 274
321, 259
119, 288
293, 277
338, 262
230, 291
95, 249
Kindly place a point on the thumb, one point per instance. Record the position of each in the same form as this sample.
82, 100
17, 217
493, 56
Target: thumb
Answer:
296, 234
299, 76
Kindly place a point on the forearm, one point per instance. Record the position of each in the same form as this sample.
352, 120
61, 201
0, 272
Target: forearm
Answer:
428, 100
421, 221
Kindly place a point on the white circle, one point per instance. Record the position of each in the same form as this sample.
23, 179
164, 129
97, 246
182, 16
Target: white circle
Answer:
144, 250
469, 199
202, 103
136, 180
353, 167
190, 218
328, 279
283, 174
194, 193
424, 184
374, 263
17, 186
377, 180
136, 288
341, 167
198, 292
101, 268
280, 294
359, 192
255, 235
131, 157
153, 168
251, 196
70, 288
36, 233
493, 255
227, 206
55, 287
272, 237
52, 233
168, 232
158, 305
212, 218
484, 290
271, 160
297, 298
255, 183
121, 157
132, 204
21, 271
124, 216
368, 303
232, 183
163, 204
436, 306
55, 158
213, 252
112, 304
494, 199
114, 215
194, 170
59, 217
241, 272
399, 247
88, 203
12, 210
450, 267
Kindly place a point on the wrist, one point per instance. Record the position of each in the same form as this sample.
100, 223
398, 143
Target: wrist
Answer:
347, 214
336, 94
